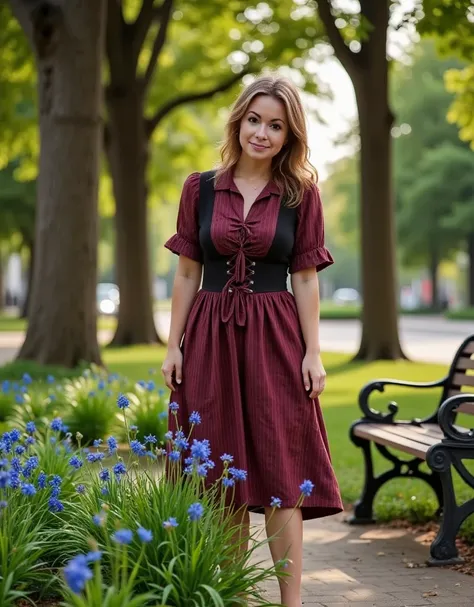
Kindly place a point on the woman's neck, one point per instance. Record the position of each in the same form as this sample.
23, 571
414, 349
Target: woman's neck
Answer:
247, 168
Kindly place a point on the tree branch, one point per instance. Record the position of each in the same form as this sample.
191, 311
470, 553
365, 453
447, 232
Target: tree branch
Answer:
169, 106
114, 38
140, 28
348, 59
165, 17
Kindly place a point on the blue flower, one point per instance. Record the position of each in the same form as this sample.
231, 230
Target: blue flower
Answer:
195, 418
19, 399
151, 438
3, 504
145, 535
77, 573
137, 447
202, 471
57, 424
76, 462
55, 505
228, 482
19, 450
150, 386
133, 428
56, 481
104, 474
174, 456
119, 469
101, 385
123, 402
239, 475
275, 503
93, 557
123, 536
200, 450
27, 378
15, 435
112, 444
170, 523
226, 458
195, 511
163, 415
30, 441
169, 435
97, 443
181, 444
104, 490
28, 489
42, 479
5, 479
81, 489
306, 488
98, 519
50, 379
31, 427
95, 457
174, 407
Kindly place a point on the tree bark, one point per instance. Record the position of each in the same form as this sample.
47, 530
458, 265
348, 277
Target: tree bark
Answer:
434, 266
31, 264
67, 38
470, 281
368, 71
127, 151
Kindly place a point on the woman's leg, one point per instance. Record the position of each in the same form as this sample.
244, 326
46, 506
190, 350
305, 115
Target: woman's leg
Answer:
286, 527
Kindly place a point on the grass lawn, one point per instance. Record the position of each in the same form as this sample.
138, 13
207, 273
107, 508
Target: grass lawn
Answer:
14, 324
410, 499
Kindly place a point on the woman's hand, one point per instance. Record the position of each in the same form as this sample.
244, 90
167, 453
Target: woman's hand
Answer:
314, 375
172, 365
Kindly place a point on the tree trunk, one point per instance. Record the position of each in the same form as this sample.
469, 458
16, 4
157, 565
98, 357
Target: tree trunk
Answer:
470, 279
2, 297
434, 266
31, 265
127, 152
368, 70
67, 37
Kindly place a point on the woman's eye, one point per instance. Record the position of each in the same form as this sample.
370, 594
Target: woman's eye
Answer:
277, 127
252, 119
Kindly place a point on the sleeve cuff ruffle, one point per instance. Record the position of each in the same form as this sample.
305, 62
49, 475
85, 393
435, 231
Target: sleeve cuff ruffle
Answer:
319, 258
179, 245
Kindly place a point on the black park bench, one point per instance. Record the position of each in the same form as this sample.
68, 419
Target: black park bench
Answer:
436, 440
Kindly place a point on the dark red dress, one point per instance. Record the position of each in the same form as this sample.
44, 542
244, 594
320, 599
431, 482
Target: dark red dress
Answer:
243, 348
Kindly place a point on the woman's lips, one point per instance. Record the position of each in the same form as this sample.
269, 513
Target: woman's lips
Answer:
259, 147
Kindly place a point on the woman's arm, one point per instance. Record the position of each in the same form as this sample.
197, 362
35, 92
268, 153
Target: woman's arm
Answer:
186, 284
305, 285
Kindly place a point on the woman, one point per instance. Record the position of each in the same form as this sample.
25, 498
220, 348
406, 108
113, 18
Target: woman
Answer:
252, 364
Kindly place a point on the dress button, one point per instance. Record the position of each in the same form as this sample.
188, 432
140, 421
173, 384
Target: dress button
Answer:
250, 291
251, 282
229, 272
254, 263
228, 262
230, 290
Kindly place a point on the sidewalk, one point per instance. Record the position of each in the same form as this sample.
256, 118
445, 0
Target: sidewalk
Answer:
371, 566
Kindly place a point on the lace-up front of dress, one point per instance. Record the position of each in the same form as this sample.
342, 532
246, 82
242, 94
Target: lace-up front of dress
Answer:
239, 285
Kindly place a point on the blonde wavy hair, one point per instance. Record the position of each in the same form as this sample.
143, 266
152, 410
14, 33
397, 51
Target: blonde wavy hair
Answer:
291, 169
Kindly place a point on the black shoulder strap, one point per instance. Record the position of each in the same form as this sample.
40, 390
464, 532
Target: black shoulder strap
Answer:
206, 194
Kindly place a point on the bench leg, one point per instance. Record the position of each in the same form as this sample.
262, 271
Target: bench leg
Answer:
443, 550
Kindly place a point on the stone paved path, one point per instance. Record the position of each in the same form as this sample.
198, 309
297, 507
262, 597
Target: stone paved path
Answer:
372, 567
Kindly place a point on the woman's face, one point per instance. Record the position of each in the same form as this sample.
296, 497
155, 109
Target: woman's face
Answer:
263, 128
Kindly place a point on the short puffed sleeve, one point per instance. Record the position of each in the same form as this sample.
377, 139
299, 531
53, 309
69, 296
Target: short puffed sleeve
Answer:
186, 240
309, 250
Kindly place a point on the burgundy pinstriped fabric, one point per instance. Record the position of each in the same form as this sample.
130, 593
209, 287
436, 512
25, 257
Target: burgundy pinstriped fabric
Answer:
243, 350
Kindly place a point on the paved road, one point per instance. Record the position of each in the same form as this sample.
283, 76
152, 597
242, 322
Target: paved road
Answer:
424, 338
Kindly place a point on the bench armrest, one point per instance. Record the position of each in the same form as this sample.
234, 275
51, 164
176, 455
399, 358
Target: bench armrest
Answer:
379, 385
447, 415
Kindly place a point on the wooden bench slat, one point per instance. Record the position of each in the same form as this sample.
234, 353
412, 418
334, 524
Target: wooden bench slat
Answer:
467, 408
381, 434
469, 349
464, 363
461, 379
426, 436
